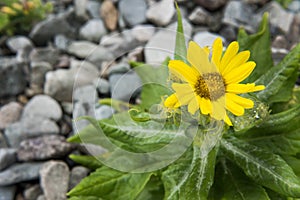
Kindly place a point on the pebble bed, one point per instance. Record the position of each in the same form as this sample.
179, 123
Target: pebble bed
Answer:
79, 54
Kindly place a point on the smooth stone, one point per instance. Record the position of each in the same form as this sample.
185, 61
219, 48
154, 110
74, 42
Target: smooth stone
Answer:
93, 8
32, 192
38, 72
294, 6
41, 197
9, 114
124, 86
7, 157
43, 106
238, 13
53, 25
42, 148
67, 107
200, 16
8, 192
55, 180
20, 172
162, 44
102, 86
61, 42
59, 84
80, 9
206, 38
76, 175
3, 143
29, 127
143, 33
48, 54
161, 13
122, 67
278, 16
133, 11
104, 112
211, 4
92, 30
109, 14
18, 42
12, 77
86, 94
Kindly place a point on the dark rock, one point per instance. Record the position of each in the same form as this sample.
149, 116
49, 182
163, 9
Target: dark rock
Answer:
133, 11
136, 54
12, 77
280, 42
9, 114
161, 13
3, 143
77, 174
55, 180
211, 4
20, 172
49, 55
53, 25
199, 16
7, 157
38, 72
8, 192
122, 91
43, 106
32, 192
42, 148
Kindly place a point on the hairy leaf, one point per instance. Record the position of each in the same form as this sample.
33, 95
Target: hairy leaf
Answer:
87, 161
108, 183
279, 78
190, 177
266, 168
180, 47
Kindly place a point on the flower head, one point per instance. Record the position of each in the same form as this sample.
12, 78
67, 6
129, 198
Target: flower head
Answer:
212, 85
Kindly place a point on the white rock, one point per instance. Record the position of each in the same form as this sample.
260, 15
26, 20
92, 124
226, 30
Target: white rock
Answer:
93, 30
161, 12
206, 38
143, 33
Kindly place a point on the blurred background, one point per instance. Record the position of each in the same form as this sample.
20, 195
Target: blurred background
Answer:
58, 58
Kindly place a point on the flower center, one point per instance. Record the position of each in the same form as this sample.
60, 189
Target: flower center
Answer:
210, 86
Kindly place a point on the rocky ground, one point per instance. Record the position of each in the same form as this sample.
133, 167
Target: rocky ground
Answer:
78, 55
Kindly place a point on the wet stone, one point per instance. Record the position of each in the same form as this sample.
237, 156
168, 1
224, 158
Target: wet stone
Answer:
7, 157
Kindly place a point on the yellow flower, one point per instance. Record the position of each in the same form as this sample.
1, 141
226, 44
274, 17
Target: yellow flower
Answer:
17, 6
212, 84
8, 10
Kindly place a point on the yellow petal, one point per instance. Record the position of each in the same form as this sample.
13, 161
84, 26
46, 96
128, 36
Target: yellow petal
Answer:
193, 106
236, 61
183, 71
218, 109
239, 74
217, 51
233, 107
227, 120
185, 99
246, 103
258, 88
171, 101
199, 58
231, 51
237, 88
205, 105
182, 89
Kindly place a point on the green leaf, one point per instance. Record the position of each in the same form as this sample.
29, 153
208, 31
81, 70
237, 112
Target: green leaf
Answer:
233, 184
190, 177
154, 83
180, 47
154, 190
85, 198
279, 78
263, 167
280, 134
294, 162
87, 161
4, 20
259, 46
108, 183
